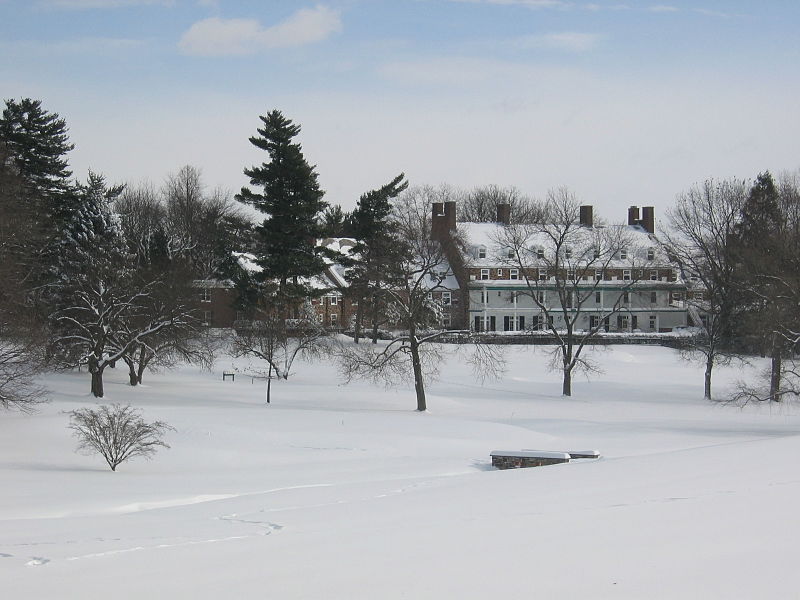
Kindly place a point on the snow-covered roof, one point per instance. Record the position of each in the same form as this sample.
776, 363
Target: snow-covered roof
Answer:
486, 235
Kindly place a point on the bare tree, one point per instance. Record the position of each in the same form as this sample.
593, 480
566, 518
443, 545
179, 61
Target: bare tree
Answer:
562, 266
700, 236
421, 269
279, 341
479, 205
118, 433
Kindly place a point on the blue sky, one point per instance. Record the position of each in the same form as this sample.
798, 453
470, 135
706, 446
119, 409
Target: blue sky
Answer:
623, 102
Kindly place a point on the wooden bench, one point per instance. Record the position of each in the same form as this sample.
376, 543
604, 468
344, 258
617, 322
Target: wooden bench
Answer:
522, 459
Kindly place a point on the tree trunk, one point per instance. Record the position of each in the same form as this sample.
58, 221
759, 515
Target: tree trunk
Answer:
776, 369
132, 377
709, 367
374, 320
269, 382
566, 386
143, 362
419, 383
359, 318
97, 378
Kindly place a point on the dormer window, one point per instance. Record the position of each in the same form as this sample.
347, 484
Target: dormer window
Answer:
510, 253
651, 254
481, 251
623, 253
540, 253
568, 253
596, 252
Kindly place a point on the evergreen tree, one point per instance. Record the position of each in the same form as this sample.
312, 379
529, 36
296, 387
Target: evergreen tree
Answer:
760, 269
38, 143
92, 292
377, 249
290, 196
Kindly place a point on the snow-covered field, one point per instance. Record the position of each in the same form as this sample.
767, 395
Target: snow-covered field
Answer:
346, 492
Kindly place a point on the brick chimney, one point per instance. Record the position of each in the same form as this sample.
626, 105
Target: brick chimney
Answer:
586, 218
443, 219
633, 215
450, 216
649, 219
504, 213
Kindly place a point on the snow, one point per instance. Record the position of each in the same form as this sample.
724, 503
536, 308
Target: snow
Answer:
346, 492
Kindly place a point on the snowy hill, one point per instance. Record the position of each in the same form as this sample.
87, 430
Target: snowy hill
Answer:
345, 492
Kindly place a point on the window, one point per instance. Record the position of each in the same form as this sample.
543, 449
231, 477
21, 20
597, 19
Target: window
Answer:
598, 299
623, 253
481, 251
484, 296
651, 254
653, 275
652, 322
622, 322
626, 275
499, 273
205, 295
598, 274
570, 297
540, 253
513, 323
513, 274
446, 320
594, 321
542, 274
510, 253
208, 317
677, 296
653, 297
446, 299
333, 318
539, 324
568, 253
571, 274
333, 300
596, 252
484, 274
541, 296
626, 297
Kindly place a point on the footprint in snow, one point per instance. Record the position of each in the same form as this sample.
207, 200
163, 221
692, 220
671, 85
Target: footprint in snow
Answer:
37, 561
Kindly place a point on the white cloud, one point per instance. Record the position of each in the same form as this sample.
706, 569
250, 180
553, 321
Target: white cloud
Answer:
663, 8
570, 41
232, 37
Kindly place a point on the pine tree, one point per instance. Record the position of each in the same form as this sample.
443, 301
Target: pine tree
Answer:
287, 250
92, 292
760, 264
38, 143
376, 248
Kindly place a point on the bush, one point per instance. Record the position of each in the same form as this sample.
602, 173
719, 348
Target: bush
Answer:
117, 433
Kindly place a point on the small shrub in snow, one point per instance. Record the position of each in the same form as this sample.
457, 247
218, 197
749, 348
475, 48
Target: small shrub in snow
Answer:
117, 433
